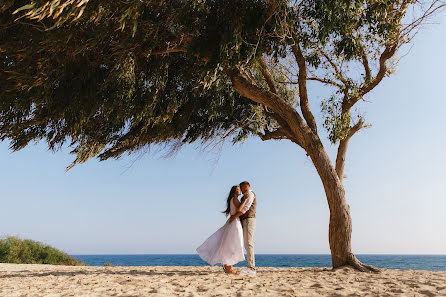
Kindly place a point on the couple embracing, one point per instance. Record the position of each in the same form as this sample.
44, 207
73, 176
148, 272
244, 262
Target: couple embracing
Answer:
225, 246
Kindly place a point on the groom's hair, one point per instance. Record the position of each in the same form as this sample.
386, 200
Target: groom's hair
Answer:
244, 183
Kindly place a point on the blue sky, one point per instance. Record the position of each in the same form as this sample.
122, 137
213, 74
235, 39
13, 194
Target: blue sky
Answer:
395, 185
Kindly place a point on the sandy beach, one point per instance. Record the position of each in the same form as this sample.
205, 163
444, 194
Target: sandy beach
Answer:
48, 280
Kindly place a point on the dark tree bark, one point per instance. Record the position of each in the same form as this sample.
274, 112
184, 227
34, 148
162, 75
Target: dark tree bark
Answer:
340, 226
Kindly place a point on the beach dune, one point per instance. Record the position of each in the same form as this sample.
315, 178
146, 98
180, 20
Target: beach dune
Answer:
51, 280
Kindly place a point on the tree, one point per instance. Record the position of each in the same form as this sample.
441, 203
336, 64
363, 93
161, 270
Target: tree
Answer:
113, 77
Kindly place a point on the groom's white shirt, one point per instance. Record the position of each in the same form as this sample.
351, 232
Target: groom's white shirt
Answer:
250, 199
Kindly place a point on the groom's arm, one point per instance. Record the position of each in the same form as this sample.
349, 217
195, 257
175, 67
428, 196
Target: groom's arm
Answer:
243, 208
248, 202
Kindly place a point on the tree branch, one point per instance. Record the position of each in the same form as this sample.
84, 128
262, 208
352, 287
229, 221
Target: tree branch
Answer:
169, 50
325, 81
297, 126
285, 128
179, 47
303, 94
433, 7
342, 149
335, 68
267, 75
365, 63
314, 78
276, 134
388, 52
175, 46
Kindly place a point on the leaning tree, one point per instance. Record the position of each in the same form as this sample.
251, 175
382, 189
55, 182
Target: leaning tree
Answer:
114, 77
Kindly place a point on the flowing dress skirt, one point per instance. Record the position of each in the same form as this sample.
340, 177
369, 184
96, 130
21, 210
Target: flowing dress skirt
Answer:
225, 246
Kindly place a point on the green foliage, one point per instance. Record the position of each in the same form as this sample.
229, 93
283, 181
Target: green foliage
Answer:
114, 77
345, 25
336, 123
102, 90
15, 250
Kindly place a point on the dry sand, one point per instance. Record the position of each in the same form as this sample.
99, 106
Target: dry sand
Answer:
48, 280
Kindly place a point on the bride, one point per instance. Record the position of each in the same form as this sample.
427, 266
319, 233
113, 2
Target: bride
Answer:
225, 246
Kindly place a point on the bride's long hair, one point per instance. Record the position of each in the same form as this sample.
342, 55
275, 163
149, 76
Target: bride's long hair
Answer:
228, 201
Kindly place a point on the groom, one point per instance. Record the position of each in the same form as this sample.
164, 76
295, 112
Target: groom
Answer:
248, 217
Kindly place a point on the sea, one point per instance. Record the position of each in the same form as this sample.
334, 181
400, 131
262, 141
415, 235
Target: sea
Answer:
406, 262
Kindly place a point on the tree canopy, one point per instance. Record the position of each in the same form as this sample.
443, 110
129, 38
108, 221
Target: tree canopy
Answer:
103, 76
106, 90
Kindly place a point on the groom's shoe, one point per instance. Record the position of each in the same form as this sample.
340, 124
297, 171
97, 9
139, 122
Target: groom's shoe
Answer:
249, 271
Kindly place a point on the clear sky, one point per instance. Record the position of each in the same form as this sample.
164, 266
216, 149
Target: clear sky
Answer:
396, 183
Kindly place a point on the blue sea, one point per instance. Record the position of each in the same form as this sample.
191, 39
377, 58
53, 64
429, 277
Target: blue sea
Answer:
413, 262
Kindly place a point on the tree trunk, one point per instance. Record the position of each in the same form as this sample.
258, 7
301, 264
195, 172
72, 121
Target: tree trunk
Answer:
340, 228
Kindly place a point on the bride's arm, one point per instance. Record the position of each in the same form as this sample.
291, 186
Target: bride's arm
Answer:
239, 207
236, 203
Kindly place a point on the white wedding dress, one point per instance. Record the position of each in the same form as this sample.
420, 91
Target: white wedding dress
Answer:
224, 246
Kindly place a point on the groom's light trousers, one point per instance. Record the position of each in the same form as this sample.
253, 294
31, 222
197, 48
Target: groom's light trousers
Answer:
249, 225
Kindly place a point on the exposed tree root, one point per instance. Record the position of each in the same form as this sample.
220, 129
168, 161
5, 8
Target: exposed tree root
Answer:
354, 263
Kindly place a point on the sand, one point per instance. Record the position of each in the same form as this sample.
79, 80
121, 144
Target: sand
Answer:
49, 280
